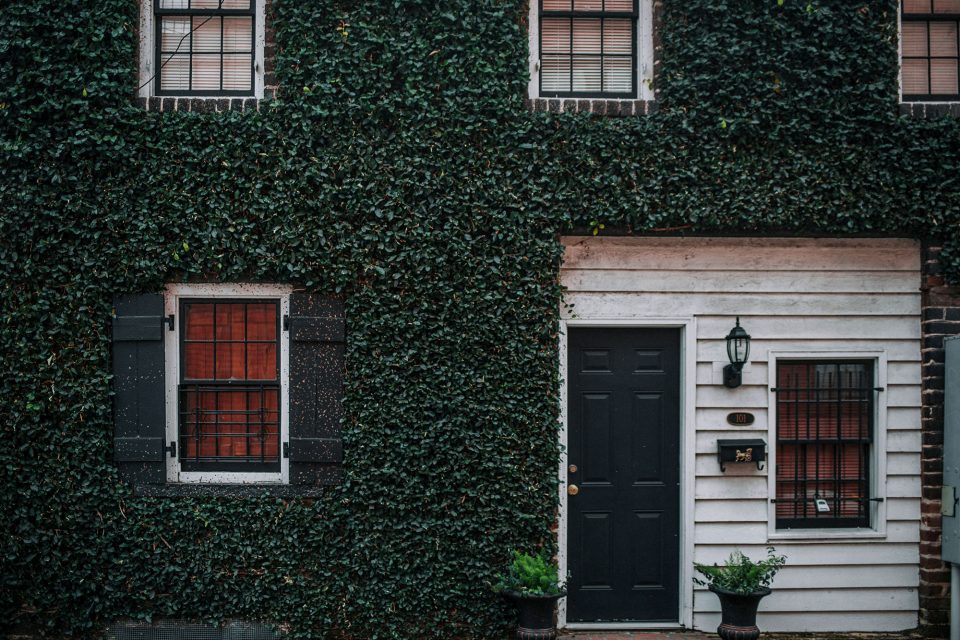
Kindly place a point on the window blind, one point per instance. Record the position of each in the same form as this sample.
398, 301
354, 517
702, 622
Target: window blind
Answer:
588, 47
205, 47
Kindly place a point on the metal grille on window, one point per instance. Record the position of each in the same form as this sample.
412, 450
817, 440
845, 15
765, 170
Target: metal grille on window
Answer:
824, 434
205, 47
229, 392
588, 48
930, 49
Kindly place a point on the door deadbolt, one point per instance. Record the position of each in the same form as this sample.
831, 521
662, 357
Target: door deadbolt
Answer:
573, 468
573, 489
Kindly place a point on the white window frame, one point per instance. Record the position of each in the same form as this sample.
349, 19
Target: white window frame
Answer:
643, 72
878, 453
147, 81
171, 302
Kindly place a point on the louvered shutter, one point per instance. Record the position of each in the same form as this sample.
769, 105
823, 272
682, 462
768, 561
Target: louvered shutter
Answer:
139, 416
317, 335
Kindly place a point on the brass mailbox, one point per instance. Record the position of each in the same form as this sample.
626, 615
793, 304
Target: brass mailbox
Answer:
749, 451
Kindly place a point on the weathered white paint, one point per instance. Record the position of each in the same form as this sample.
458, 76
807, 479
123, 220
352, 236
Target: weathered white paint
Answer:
798, 298
171, 302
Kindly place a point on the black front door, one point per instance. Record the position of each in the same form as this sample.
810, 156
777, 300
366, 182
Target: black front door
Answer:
623, 525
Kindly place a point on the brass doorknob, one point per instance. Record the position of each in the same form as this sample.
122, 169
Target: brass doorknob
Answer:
573, 489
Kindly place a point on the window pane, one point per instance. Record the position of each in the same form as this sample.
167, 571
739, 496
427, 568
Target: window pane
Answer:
261, 361
237, 72
555, 73
587, 5
555, 35
586, 35
175, 73
229, 424
206, 72
617, 75
943, 77
824, 422
231, 321
174, 33
174, 4
914, 39
231, 361
206, 34
238, 34
946, 6
556, 5
198, 361
586, 74
618, 36
619, 5
261, 321
198, 321
943, 39
915, 80
220, 4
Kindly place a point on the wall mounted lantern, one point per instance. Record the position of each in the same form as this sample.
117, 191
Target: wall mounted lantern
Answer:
738, 350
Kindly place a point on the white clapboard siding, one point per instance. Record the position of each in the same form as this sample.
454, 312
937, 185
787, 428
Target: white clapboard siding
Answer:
763, 308
821, 622
742, 254
715, 349
792, 295
756, 533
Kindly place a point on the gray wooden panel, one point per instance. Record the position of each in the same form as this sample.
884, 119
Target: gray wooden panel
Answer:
139, 409
317, 360
951, 446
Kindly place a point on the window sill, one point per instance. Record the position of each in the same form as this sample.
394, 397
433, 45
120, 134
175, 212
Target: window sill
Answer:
929, 110
209, 490
598, 107
814, 536
211, 104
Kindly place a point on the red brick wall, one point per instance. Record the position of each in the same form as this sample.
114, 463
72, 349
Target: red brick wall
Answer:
941, 318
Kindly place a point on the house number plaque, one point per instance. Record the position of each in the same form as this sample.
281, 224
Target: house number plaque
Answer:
740, 418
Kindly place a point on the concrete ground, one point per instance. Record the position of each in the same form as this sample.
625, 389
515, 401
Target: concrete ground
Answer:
697, 635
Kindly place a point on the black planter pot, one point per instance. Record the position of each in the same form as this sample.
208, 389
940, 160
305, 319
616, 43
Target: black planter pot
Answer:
739, 614
535, 615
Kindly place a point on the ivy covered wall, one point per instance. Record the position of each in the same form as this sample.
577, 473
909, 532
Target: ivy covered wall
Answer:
399, 169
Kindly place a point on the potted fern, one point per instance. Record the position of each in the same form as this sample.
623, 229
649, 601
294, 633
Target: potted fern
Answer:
740, 584
531, 582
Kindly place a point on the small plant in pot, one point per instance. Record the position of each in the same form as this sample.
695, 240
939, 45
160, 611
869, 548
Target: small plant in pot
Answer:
740, 584
532, 584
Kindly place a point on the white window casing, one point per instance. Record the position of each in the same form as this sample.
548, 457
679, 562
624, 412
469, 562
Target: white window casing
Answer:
147, 63
172, 296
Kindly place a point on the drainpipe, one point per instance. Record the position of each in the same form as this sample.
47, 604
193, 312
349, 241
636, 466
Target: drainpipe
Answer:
954, 602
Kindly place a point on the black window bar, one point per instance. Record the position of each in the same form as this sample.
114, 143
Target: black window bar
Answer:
573, 13
182, 45
825, 424
243, 439
928, 16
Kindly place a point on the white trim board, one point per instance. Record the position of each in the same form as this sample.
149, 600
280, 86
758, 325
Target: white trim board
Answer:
688, 368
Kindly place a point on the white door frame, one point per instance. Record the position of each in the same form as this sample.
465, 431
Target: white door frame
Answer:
688, 387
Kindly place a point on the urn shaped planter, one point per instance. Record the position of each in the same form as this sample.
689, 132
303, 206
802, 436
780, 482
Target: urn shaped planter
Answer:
535, 614
738, 613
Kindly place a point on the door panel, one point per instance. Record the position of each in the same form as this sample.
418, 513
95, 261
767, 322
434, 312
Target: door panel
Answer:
623, 535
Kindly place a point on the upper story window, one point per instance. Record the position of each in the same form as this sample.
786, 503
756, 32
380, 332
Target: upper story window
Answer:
591, 49
929, 45
202, 48
825, 423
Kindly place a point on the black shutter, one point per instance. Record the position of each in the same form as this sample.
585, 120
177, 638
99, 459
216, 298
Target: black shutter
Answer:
139, 416
317, 329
